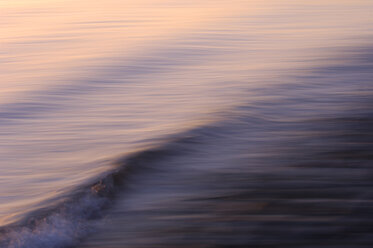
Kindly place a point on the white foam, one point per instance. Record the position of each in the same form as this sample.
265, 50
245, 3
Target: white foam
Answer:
62, 228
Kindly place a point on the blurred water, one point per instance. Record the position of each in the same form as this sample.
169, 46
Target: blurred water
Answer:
249, 83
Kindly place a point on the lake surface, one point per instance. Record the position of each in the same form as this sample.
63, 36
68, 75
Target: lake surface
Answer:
164, 123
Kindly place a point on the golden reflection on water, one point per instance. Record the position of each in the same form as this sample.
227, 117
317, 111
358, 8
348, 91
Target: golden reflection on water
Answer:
44, 41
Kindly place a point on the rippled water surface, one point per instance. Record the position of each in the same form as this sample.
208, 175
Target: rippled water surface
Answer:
164, 123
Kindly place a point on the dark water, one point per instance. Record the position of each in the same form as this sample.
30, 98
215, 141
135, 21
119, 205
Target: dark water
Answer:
186, 124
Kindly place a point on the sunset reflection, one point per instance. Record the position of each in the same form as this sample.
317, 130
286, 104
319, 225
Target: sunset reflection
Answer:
174, 123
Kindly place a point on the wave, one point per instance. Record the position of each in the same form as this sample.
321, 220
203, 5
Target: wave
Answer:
75, 216
327, 143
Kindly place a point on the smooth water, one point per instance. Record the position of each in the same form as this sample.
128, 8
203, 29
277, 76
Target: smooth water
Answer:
154, 123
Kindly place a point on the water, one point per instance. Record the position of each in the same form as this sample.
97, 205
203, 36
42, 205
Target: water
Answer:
186, 123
